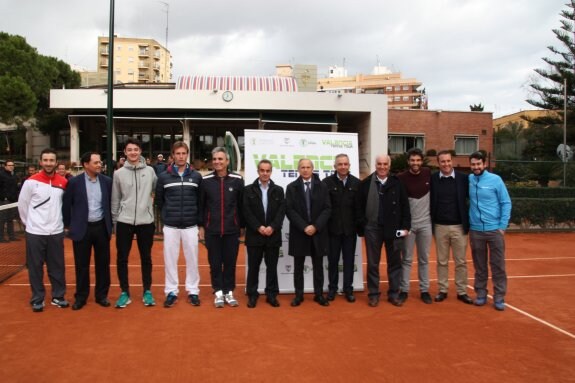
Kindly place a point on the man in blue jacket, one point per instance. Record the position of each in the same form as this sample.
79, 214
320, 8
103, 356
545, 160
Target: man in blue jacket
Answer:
88, 216
177, 197
489, 213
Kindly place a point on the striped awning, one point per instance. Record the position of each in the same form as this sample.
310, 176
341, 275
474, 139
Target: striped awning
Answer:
238, 83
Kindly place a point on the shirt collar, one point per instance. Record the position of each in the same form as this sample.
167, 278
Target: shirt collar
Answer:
452, 174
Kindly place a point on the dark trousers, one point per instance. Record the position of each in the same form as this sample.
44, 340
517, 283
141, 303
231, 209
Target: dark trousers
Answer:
344, 245
145, 240
47, 249
7, 217
222, 255
489, 247
97, 238
270, 255
317, 265
374, 240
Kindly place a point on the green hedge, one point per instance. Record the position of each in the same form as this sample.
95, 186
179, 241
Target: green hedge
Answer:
547, 213
523, 192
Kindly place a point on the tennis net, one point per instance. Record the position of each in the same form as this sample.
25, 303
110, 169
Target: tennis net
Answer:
12, 243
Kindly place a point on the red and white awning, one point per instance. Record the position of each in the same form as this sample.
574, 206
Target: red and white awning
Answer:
238, 83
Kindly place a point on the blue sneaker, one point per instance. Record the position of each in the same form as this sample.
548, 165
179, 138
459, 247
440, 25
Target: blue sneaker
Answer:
123, 300
38, 307
499, 305
480, 301
170, 300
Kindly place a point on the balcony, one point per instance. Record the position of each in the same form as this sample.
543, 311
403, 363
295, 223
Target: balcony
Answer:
143, 64
104, 63
104, 51
144, 52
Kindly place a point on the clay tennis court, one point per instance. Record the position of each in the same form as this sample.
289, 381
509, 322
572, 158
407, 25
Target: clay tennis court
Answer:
532, 340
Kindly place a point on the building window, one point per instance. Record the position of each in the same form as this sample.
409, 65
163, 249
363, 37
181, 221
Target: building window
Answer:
389, 88
397, 88
466, 145
401, 144
130, 59
406, 87
63, 140
405, 98
131, 49
397, 98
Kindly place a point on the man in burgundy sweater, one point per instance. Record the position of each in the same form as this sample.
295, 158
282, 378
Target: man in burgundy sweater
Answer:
416, 181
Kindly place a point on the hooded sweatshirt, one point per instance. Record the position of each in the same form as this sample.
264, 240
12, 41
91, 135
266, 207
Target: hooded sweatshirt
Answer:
132, 190
489, 202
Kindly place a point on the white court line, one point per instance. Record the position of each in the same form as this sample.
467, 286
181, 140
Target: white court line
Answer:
544, 322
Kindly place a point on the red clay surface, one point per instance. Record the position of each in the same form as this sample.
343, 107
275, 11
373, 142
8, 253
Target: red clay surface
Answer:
447, 341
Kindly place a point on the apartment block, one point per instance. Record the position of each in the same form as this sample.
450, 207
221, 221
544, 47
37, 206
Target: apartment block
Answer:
136, 60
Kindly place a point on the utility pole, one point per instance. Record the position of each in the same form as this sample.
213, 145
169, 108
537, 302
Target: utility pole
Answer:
167, 20
110, 107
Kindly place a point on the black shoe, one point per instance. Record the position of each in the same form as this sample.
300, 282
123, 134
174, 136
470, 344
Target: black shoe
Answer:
78, 305
350, 297
441, 297
426, 298
273, 301
104, 302
252, 301
465, 299
171, 300
194, 299
331, 295
395, 301
297, 301
402, 297
321, 300
373, 301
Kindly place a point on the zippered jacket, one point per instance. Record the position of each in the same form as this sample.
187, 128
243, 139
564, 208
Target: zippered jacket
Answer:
40, 204
489, 202
178, 197
132, 190
221, 204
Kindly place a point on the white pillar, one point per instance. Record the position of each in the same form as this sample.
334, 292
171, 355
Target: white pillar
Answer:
74, 140
186, 137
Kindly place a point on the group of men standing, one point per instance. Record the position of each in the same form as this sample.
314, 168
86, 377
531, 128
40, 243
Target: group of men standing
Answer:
325, 217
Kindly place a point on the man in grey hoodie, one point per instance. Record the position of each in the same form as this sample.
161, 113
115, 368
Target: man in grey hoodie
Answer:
133, 213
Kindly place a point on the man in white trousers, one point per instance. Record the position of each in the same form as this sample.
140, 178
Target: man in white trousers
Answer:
177, 197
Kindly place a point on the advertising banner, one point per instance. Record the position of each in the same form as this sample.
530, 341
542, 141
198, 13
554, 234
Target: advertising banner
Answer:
284, 149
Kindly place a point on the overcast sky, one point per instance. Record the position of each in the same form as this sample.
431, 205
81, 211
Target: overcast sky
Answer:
464, 51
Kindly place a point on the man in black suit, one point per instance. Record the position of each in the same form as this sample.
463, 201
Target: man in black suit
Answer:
308, 209
264, 212
386, 218
342, 187
88, 218
449, 215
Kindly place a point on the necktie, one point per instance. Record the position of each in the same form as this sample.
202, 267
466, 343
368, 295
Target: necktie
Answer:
308, 199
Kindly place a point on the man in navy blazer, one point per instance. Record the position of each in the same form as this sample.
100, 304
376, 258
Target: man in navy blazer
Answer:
449, 192
88, 221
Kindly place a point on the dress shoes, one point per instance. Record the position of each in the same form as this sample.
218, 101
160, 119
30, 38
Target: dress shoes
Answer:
78, 305
273, 301
297, 301
373, 301
320, 299
104, 302
465, 299
252, 301
441, 297
350, 297
402, 297
426, 298
395, 301
331, 295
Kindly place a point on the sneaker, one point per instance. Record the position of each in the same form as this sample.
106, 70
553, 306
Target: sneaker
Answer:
170, 300
148, 299
38, 307
402, 297
480, 301
426, 298
123, 300
230, 300
194, 299
219, 301
499, 305
59, 302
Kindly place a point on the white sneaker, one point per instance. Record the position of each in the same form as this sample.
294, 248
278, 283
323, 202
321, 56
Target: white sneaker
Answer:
230, 300
219, 301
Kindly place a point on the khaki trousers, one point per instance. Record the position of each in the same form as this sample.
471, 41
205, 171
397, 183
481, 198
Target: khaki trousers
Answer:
446, 237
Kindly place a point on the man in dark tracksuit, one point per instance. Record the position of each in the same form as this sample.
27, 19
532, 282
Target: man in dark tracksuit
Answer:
264, 211
342, 225
220, 224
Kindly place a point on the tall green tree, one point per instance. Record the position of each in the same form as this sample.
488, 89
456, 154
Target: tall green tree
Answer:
548, 88
21, 64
